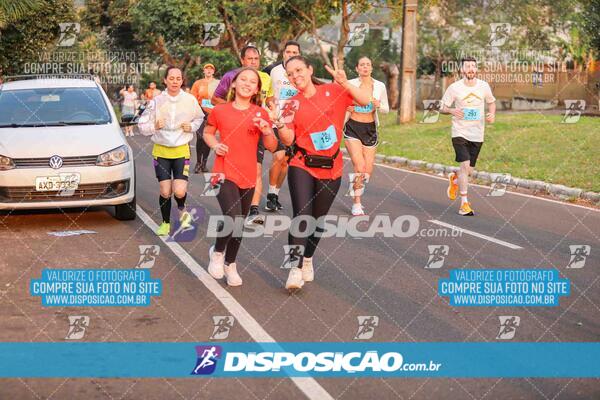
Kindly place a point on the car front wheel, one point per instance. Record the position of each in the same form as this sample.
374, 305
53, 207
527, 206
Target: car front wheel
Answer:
125, 212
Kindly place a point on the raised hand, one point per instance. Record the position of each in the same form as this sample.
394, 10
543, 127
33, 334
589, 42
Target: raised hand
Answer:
263, 126
338, 74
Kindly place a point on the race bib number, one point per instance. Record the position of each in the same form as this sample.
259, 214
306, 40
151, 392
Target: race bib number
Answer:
324, 140
472, 114
207, 104
287, 93
364, 109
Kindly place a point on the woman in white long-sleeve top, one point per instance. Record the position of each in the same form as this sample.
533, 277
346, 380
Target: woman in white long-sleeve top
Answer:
360, 131
171, 118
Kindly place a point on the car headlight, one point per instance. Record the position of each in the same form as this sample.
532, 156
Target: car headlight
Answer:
6, 163
114, 157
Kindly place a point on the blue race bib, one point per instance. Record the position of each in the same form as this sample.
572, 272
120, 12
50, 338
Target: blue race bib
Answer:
472, 114
287, 93
364, 109
207, 104
324, 140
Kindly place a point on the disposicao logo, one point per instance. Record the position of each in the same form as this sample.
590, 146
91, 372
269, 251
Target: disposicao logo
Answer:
269, 360
207, 359
318, 362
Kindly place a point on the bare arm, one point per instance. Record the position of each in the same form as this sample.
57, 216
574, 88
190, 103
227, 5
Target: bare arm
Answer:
270, 142
269, 139
361, 96
448, 99
491, 115
286, 135
457, 112
210, 139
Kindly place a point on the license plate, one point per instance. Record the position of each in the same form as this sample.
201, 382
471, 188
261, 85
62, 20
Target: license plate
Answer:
67, 182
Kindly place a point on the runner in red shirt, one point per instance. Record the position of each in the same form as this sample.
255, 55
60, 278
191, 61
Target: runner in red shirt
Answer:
241, 122
315, 171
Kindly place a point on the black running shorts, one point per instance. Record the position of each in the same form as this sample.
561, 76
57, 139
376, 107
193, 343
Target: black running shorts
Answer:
466, 150
167, 168
366, 132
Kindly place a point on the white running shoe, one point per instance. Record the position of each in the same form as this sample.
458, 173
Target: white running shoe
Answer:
233, 278
217, 261
357, 209
294, 280
254, 217
308, 273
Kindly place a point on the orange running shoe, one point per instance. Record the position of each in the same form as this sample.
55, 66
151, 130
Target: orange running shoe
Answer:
452, 187
465, 209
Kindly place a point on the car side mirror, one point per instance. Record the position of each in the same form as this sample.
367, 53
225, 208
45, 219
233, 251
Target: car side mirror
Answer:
127, 120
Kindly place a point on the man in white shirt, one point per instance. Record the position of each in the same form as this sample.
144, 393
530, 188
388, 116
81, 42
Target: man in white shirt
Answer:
470, 97
282, 91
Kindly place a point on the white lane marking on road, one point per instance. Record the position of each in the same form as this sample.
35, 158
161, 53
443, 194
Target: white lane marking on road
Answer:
309, 386
487, 187
479, 235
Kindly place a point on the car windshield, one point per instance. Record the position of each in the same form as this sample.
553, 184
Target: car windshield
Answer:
52, 107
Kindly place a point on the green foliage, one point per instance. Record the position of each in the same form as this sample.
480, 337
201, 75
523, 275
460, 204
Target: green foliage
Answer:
591, 24
508, 146
25, 37
13, 10
442, 31
377, 49
177, 21
223, 60
450, 28
113, 17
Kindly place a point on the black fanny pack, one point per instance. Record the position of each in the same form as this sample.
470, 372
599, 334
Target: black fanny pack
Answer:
316, 161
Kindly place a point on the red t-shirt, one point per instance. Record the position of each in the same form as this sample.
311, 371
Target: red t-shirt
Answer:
318, 125
241, 136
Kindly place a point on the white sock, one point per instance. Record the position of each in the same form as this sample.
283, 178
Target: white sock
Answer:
463, 198
274, 190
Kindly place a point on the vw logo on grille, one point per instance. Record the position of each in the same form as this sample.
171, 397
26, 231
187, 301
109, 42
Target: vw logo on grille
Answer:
55, 162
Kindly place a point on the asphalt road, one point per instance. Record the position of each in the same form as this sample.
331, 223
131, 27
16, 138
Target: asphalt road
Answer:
381, 276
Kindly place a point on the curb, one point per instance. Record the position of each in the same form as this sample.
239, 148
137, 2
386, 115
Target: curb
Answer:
558, 191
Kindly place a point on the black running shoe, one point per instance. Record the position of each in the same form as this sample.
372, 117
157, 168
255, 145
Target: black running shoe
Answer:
272, 202
254, 217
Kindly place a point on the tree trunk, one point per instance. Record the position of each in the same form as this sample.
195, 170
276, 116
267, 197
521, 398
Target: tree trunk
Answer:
160, 48
437, 77
344, 31
392, 73
230, 31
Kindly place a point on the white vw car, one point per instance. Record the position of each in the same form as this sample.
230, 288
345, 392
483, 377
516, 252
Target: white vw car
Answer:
61, 146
